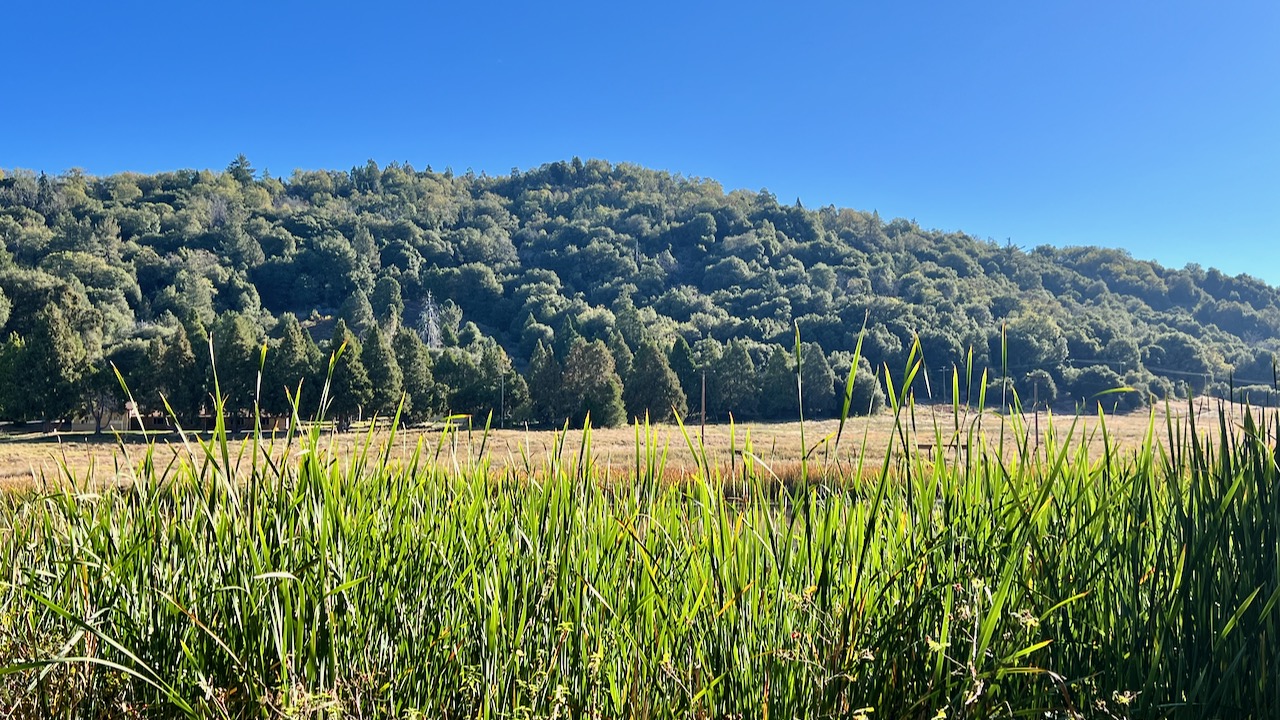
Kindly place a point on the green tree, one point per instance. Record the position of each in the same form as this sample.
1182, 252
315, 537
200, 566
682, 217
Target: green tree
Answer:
181, 378
868, 395
237, 356
1031, 341
591, 385
425, 397
505, 387
652, 389
388, 302
731, 384
350, 389
291, 371
818, 381
357, 312
1037, 390
104, 396
680, 358
57, 364
778, 397
241, 171
384, 373
545, 380
15, 401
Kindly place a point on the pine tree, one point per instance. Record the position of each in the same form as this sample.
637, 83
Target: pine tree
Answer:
591, 385
818, 379
652, 389
349, 389
622, 355
566, 338
182, 379
357, 312
57, 362
424, 397
237, 354
506, 389
14, 376
731, 384
680, 358
295, 362
778, 387
545, 379
387, 302
384, 374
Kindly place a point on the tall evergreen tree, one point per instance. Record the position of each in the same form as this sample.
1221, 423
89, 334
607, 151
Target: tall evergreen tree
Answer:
357, 312
387, 302
424, 396
683, 365
505, 388
349, 389
731, 384
818, 380
15, 401
237, 355
623, 357
181, 378
295, 363
566, 338
778, 386
384, 374
57, 363
591, 385
545, 380
652, 389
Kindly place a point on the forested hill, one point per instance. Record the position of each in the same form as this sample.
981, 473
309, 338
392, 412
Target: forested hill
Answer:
467, 291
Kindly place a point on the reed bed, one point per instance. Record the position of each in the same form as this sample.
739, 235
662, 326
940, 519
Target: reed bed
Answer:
978, 578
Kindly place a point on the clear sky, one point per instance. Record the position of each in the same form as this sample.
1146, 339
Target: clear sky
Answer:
1152, 126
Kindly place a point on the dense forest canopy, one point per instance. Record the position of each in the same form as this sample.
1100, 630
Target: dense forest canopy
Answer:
572, 288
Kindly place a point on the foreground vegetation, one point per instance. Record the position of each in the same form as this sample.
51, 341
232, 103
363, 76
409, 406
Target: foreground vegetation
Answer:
964, 580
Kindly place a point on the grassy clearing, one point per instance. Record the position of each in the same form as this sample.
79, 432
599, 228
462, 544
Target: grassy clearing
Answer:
28, 462
298, 577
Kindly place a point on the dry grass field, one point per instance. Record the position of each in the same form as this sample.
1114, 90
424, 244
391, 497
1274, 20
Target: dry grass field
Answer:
30, 460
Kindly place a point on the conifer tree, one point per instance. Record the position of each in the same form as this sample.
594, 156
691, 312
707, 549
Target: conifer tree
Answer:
181, 378
818, 381
237, 353
623, 357
296, 361
545, 379
14, 399
566, 338
384, 374
778, 386
591, 385
424, 397
652, 389
56, 363
682, 364
349, 389
387, 302
357, 312
731, 384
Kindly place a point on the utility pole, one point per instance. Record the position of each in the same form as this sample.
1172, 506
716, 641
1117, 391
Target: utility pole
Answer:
502, 399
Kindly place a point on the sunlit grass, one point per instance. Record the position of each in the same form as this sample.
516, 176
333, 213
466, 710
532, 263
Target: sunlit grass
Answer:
950, 575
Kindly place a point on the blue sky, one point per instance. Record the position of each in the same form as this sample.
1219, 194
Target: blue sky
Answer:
1152, 126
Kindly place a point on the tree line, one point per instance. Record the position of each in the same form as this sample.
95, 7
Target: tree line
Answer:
547, 293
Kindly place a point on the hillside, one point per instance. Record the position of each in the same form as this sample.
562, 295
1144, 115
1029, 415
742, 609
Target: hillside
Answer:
573, 287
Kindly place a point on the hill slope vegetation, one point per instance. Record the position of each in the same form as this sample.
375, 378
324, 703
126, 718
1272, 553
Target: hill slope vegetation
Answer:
576, 287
